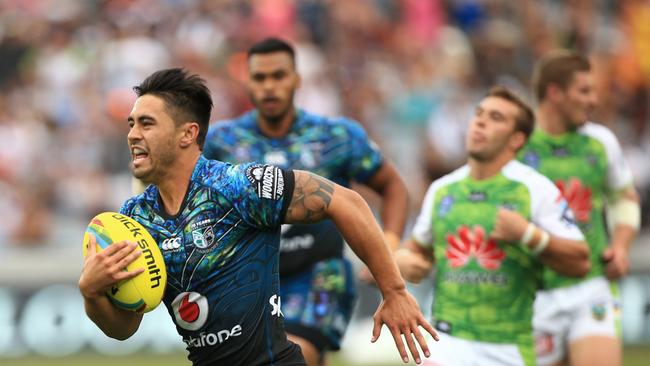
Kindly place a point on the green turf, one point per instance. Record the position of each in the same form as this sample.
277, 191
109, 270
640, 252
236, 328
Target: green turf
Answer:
633, 356
636, 355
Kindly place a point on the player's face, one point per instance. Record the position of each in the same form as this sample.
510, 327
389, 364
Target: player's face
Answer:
491, 129
152, 138
272, 82
579, 100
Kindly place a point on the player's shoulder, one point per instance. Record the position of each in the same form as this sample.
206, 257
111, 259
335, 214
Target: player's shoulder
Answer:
218, 174
451, 178
129, 204
210, 171
599, 132
522, 173
144, 199
351, 125
331, 122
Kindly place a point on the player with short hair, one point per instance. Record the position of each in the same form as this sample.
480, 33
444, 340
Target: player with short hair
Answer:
576, 320
223, 284
317, 282
490, 227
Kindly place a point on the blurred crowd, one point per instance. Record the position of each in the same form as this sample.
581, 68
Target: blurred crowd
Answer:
409, 70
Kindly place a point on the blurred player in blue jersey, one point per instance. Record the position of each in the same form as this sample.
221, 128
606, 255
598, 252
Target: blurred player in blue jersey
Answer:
317, 285
218, 226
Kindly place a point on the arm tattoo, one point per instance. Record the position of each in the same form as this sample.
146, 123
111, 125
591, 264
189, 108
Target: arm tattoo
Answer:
312, 195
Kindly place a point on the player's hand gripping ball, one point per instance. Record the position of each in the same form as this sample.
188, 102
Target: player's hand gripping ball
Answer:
145, 291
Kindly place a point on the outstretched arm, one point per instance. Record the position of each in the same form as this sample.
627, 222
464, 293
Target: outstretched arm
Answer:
315, 198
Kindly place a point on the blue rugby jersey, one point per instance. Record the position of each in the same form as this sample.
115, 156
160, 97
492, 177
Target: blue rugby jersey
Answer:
221, 253
335, 148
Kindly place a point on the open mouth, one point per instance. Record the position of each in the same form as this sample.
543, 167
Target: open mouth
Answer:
138, 154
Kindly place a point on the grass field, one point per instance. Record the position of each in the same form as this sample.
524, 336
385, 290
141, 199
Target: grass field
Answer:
633, 356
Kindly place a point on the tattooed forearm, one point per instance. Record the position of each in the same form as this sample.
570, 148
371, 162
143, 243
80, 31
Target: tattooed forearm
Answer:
311, 197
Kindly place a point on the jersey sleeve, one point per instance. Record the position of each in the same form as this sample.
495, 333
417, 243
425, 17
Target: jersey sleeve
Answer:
551, 211
365, 157
127, 206
619, 174
260, 193
423, 228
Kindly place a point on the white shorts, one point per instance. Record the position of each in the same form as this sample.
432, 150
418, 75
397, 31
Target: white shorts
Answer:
566, 314
453, 351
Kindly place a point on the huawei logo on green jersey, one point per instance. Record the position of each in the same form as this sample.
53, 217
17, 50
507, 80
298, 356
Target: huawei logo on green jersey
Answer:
578, 197
473, 243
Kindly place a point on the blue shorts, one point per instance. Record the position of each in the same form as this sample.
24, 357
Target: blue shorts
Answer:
317, 303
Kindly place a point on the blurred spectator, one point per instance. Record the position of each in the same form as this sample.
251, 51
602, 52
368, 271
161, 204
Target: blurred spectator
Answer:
409, 70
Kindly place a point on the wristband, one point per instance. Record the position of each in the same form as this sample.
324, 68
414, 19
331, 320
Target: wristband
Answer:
528, 234
624, 212
543, 243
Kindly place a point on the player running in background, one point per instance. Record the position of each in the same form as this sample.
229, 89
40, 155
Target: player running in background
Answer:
586, 162
223, 282
317, 282
489, 227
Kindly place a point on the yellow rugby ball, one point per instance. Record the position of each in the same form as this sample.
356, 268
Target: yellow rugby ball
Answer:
145, 291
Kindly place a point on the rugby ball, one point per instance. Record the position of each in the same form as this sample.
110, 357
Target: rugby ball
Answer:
145, 291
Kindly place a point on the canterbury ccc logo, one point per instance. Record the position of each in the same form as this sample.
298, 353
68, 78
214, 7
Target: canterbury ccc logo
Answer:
190, 310
171, 243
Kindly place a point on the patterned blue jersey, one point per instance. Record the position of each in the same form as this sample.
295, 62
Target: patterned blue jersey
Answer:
335, 148
221, 252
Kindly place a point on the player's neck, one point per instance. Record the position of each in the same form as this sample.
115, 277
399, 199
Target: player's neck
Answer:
174, 185
481, 170
550, 121
279, 128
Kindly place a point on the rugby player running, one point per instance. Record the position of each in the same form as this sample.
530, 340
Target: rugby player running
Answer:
490, 227
223, 280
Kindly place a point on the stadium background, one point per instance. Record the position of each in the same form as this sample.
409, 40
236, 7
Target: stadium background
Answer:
410, 71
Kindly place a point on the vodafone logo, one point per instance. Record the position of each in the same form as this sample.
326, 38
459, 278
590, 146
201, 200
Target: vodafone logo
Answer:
190, 310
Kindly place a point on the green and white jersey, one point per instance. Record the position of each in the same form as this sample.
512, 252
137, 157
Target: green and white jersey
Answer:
484, 289
586, 165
